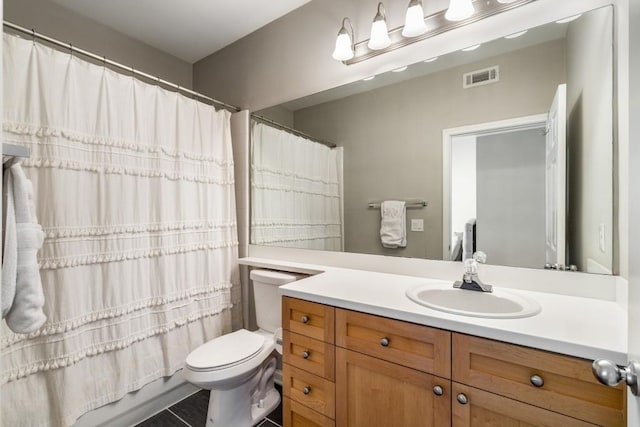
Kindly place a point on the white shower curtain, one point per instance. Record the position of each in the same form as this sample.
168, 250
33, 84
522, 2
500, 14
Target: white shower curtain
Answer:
134, 190
296, 191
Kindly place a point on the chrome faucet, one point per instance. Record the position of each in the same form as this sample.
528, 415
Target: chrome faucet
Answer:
470, 280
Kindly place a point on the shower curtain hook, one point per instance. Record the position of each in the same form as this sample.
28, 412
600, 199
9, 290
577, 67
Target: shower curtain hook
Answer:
33, 36
70, 49
104, 61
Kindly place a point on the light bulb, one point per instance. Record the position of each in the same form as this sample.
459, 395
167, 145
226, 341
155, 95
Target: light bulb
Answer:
459, 10
414, 21
344, 43
379, 32
343, 50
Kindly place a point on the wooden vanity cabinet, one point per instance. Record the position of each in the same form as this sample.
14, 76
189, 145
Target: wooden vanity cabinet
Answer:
350, 369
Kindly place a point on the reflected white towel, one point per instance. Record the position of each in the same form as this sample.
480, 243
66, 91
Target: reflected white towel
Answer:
393, 227
21, 284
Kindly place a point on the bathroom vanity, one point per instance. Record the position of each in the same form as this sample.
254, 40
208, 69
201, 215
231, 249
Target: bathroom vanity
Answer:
358, 352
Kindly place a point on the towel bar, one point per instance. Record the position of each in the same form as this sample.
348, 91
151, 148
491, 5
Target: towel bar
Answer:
410, 204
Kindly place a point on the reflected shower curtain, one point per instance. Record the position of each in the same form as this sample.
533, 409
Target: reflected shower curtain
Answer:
134, 190
296, 191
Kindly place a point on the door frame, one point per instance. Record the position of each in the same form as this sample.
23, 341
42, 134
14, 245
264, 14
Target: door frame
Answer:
487, 128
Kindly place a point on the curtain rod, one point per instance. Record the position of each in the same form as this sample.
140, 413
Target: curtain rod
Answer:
35, 35
292, 130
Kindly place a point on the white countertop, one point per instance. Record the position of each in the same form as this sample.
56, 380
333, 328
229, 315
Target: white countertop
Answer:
582, 327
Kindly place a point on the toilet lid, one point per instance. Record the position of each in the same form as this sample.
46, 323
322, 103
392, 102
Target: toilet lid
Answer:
228, 349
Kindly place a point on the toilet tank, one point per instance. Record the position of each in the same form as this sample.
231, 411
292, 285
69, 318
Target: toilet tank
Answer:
266, 298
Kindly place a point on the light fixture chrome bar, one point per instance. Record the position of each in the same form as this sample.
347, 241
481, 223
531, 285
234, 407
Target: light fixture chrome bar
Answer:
68, 46
419, 204
291, 130
438, 24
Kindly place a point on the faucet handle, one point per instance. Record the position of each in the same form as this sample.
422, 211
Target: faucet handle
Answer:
481, 257
470, 266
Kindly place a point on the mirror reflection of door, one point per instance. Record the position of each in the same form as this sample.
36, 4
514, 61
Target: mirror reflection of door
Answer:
556, 179
498, 194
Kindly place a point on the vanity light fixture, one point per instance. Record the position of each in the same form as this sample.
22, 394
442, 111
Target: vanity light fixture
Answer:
569, 19
470, 48
344, 42
514, 35
379, 31
435, 58
417, 27
399, 70
414, 21
459, 10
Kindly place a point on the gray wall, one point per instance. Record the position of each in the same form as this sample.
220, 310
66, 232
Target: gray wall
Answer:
392, 137
510, 191
279, 114
590, 139
55, 21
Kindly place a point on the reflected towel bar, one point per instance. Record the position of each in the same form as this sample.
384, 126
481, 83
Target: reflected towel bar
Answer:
410, 204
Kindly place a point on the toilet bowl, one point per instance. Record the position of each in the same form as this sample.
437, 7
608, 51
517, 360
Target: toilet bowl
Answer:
239, 367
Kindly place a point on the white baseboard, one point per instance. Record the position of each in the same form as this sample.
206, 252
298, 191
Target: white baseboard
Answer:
138, 406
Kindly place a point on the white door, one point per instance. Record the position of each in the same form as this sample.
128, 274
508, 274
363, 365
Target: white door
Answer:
633, 403
556, 178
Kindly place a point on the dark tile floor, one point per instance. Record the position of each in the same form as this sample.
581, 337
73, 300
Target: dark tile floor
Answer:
192, 412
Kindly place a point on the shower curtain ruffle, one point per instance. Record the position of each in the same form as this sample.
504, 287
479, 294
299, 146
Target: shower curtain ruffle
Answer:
135, 193
296, 197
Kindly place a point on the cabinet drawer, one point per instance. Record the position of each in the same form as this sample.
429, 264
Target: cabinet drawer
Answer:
484, 409
308, 354
415, 346
309, 319
568, 385
311, 390
296, 415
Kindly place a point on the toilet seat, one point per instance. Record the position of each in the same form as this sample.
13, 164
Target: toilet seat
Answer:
225, 351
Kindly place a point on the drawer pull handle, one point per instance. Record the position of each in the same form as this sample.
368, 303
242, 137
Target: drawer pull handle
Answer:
438, 391
305, 319
384, 342
462, 399
306, 354
306, 390
537, 381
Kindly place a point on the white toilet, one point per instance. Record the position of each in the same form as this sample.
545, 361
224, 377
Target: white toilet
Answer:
239, 367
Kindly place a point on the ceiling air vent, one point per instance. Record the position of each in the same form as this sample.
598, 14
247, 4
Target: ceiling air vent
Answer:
481, 77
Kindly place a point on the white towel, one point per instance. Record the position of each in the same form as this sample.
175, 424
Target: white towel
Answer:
393, 227
21, 283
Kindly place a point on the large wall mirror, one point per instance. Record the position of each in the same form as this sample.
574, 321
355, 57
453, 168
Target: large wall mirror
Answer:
505, 148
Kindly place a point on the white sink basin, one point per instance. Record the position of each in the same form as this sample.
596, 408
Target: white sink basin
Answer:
498, 304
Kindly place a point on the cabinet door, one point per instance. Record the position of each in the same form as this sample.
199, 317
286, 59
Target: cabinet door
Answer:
373, 392
483, 409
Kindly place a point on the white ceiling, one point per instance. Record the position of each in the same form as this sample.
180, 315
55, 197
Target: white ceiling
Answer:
187, 29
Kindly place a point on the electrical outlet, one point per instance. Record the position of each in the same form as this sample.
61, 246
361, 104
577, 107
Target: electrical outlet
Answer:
417, 225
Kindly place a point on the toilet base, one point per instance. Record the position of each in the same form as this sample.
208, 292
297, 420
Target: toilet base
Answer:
246, 404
